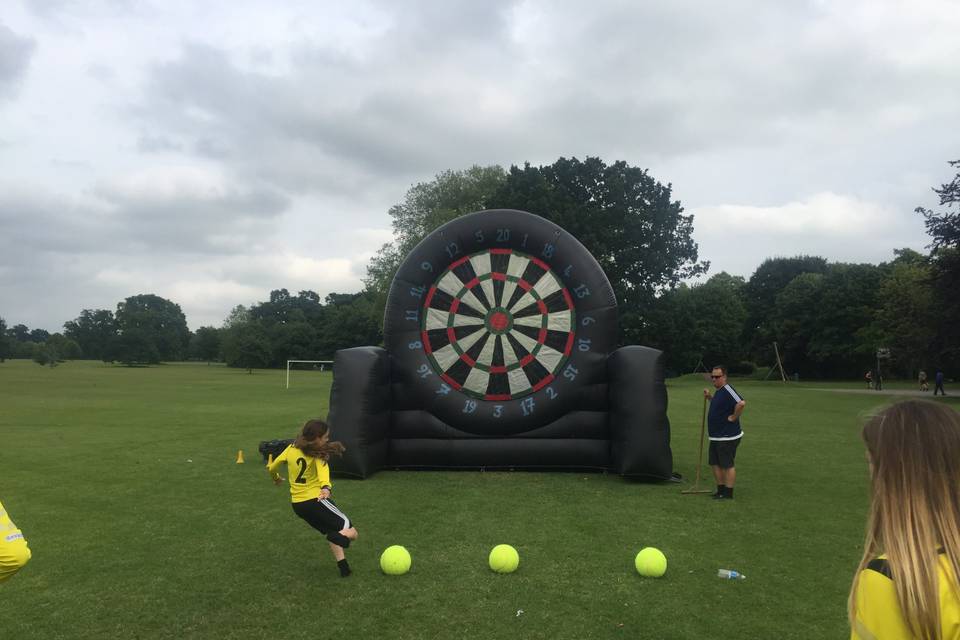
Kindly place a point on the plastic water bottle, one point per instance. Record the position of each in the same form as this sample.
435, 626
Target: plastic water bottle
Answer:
730, 574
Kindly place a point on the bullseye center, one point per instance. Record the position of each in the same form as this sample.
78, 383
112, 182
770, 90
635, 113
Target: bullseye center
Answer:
499, 321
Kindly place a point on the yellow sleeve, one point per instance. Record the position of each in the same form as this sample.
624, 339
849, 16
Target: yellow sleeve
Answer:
274, 466
323, 473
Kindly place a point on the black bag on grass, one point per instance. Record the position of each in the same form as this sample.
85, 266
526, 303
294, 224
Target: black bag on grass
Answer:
273, 448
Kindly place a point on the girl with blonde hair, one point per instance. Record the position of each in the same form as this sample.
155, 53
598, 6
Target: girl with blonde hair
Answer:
906, 584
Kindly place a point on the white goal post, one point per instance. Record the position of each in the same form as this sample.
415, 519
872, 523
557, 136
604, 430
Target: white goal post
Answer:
322, 363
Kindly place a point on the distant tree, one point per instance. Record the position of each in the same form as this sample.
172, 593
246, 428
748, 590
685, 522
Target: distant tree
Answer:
944, 229
238, 315
39, 335
292, 341
205, 344
20, 333
45, 355
134, 345
157, 322
247, 346
824, 322
353, 320
93, 330
623, 216
906, 321
425, 207
64, 347
794, 321
283, 308
24, 350
5, 346
699, 322
759, 297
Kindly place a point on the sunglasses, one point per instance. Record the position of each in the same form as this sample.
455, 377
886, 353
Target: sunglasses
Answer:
713, 376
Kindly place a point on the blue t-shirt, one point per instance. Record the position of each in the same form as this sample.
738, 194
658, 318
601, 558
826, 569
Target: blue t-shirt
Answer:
722, 404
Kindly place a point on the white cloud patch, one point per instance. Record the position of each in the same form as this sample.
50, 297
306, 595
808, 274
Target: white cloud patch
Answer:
821, 214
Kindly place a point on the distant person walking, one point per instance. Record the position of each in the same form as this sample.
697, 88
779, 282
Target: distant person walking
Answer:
723, 421
923, 381
906, 585
938, 383
869, 378
877, 381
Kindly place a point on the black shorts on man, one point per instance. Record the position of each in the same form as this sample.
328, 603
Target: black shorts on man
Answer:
722, 453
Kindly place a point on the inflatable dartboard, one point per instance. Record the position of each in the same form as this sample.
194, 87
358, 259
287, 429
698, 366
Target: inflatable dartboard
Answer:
500, 336
495, 321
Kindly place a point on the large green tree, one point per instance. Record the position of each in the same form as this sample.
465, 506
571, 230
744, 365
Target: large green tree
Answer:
93, 330
699, 323
246, 345
759, 297
623, 216
205, 344
824, 322
425, 207
352, 320
906, 320
156, 322
944, 229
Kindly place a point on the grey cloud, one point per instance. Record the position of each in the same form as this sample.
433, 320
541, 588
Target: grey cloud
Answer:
123, 223
15, 54
157, 144
654, 80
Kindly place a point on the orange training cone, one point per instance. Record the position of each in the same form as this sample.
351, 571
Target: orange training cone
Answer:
240, 456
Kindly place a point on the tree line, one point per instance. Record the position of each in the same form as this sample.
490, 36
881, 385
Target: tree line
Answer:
828, 319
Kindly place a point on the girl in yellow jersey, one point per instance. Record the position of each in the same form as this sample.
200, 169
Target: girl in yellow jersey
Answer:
310, 487
14, 552
906, 585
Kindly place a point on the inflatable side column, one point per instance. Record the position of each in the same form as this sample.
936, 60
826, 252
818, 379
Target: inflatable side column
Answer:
639, 428
360, 410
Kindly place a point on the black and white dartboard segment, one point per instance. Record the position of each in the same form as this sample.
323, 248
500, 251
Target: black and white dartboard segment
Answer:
498, 324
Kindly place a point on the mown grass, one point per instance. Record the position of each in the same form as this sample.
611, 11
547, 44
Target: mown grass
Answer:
142, 526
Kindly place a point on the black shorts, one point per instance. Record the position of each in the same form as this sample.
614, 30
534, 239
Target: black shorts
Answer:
322, 515
722, 453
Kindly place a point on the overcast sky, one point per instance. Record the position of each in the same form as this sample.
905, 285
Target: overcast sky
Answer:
209, 152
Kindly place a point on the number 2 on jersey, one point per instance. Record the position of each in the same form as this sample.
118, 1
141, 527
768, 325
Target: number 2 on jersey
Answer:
302, 463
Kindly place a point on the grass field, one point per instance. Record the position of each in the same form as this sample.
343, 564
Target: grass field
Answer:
141, 524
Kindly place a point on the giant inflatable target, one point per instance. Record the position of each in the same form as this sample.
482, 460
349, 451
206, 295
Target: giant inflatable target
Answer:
499, 353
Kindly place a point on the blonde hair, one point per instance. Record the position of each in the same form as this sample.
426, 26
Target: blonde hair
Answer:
914, 450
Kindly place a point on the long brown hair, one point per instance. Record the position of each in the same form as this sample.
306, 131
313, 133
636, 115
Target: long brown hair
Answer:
307, 440
914, 450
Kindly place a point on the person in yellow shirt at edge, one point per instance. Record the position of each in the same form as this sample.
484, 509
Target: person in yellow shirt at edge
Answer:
308, 472
14, 552
906, 584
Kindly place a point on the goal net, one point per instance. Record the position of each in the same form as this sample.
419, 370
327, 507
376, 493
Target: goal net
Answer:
305, 370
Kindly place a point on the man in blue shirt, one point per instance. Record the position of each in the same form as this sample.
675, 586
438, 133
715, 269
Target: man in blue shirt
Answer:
723, 421
938, 383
